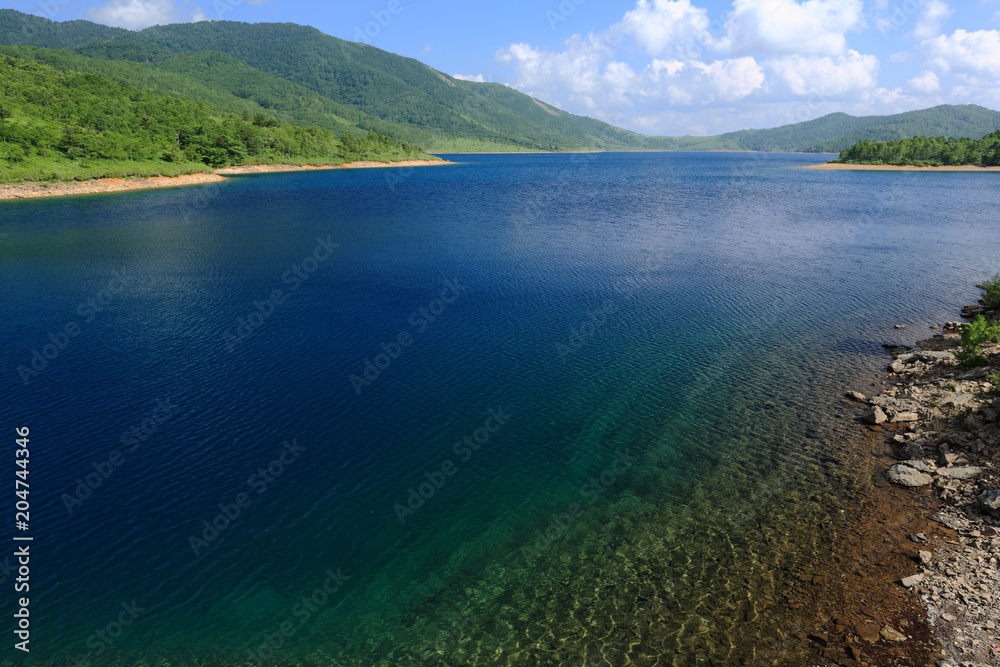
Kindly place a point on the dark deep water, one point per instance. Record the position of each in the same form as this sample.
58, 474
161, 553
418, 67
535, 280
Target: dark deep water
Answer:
522, 410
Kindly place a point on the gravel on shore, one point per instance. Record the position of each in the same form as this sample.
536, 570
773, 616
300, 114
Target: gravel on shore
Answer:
941, 419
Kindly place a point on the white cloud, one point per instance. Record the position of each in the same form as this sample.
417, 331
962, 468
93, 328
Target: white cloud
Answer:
933, 14
732, 79
664, 68
973, 53
825, 76
577, 69
926, 83
661, 25
477, 78
135, 14
786, 27
586, 72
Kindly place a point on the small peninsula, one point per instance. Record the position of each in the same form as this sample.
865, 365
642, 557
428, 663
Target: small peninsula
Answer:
921, 154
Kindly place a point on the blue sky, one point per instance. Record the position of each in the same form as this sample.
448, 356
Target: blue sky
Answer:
668, 67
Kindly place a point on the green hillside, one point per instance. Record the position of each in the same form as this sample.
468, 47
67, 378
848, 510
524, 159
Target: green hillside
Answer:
298, 75
18, 28
838, 131
324, 76
60, 125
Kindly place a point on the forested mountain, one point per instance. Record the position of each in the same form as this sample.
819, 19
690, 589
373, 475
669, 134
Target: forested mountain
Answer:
385, 92
299, 75
18, 28
836, 132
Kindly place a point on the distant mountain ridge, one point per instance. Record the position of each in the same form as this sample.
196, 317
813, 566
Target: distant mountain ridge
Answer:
300, 75
836, 132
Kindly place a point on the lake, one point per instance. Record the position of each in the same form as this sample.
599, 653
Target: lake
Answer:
524, 409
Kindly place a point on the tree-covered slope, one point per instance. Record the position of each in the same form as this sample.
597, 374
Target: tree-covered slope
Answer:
927, 151
68, 124
300, 75
222, 82
19, 28
386, 92
836, 132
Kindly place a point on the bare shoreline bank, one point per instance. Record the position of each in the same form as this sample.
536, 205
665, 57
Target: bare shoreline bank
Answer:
100, 185
892, 167
939, 418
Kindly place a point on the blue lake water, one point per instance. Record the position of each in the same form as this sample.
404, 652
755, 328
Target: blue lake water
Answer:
525, 409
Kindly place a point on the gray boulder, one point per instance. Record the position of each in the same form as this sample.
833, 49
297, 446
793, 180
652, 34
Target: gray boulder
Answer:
989, 502
912, 450
961, 472
874, 416
903, 475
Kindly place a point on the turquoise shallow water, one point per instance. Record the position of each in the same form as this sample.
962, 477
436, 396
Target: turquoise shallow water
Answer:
543, 409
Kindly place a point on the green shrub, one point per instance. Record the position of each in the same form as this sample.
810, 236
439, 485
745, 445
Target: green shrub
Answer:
976, 334
992, 297
995, 379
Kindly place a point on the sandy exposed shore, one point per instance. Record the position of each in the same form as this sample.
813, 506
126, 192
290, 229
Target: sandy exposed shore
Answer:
891, 167
33, 190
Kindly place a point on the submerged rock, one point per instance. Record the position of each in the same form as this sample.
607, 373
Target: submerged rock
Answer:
892, 634
904, 475
895, 350
856, 396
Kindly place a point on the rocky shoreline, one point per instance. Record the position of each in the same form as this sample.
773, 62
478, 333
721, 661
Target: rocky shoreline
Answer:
941, 419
